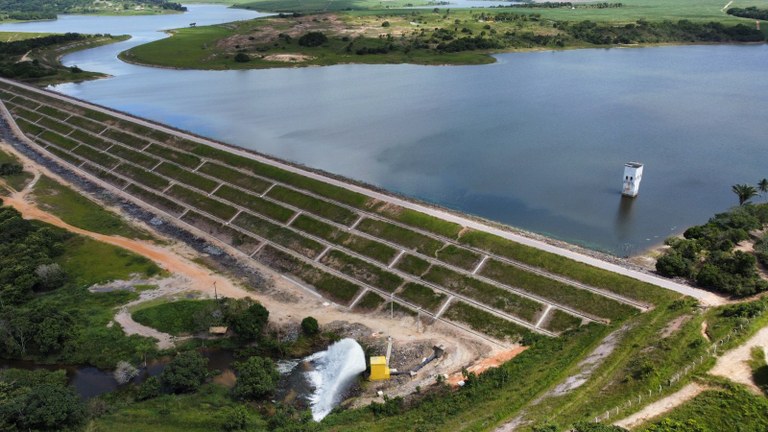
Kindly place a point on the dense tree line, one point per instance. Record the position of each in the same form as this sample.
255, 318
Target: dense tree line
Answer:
38, 400
706, 255
655, 32
749, 12
10, 52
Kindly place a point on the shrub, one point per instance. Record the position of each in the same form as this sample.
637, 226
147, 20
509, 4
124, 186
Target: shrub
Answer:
385, 24
242, 57
149, 389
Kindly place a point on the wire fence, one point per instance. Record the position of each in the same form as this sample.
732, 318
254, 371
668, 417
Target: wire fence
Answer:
648, 396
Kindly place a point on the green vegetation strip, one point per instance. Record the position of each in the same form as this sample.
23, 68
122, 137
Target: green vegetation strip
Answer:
96, 156
255, 203
188, 178
235, 177
229, 235
133, 156
172, 155
54, 125
417, 219
155, 199
370, 301
28, 127
404, 237
412, 265
488, 294
19, 111
91, 140
279, 235
584, 273
202, 202
313, 205
297, 180
338, 289
579, 299
142, 176
127, 139
86, 124
459, 257
484, 322
64, 155
370, 248
53, 112
422, 296
58, 140
100, 173
559, 321
362, 271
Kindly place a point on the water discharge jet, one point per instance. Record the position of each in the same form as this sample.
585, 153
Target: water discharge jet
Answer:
335, 369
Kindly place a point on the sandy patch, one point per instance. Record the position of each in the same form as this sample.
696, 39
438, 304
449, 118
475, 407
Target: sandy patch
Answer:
289, 58
662, 406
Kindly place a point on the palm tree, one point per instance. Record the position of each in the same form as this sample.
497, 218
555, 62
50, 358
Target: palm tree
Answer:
744, 191
762, 186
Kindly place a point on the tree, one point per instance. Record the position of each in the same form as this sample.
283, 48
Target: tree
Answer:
185, 373
124, 372
762, 186
745, 192
247, 318
242, 57
257, 377
50, 407
309, 326
385, 24
313, 39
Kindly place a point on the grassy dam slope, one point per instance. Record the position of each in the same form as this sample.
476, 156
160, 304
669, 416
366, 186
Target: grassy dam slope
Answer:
353, 245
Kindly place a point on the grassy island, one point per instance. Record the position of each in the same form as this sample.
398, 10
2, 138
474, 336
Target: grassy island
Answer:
308, 34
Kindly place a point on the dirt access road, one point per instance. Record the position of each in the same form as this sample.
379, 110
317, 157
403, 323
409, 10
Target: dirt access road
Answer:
733, 365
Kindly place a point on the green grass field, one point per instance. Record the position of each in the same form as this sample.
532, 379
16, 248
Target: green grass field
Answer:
177, 317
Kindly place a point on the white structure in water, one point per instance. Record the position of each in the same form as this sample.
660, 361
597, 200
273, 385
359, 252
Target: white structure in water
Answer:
633, 173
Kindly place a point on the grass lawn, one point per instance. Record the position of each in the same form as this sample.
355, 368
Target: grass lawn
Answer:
75, 209
412, 265
370, 301
559, 321
189, 178
176, 318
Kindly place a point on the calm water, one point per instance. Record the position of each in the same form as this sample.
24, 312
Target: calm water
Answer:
537, 140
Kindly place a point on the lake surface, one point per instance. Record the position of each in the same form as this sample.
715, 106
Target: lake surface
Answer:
537, 140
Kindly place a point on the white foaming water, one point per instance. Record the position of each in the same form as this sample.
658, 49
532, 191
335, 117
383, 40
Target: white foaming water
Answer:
335, 370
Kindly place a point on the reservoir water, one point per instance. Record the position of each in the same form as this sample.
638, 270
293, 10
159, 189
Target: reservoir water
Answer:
537, 140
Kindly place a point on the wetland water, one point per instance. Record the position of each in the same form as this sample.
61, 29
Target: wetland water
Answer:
537, 140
